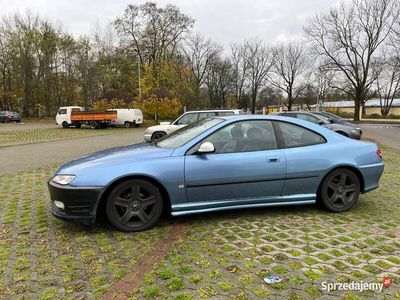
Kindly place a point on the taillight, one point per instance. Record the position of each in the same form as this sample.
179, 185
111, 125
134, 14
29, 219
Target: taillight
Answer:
379, 153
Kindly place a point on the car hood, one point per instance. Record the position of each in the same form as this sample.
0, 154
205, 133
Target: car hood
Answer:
114, 156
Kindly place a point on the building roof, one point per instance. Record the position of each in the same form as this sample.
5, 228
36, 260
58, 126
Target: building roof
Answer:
369, 103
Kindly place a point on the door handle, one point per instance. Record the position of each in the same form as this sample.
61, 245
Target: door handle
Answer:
273, 160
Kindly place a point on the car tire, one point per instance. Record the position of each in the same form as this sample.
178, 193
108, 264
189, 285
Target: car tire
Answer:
339, 190
65, 124
93, 125
127, 124
157, 135
134, 205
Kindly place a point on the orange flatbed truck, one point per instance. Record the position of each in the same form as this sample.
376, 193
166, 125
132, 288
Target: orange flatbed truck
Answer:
76, 116
95, 119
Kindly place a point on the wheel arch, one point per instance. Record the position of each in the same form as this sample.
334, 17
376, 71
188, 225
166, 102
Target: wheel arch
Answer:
100, 209
349, 167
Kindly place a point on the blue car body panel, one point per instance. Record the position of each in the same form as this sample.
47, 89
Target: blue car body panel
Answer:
200, 183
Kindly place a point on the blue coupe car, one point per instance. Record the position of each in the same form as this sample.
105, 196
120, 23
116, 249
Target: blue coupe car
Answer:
216, 164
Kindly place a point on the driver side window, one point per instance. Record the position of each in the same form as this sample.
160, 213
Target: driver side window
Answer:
245, 136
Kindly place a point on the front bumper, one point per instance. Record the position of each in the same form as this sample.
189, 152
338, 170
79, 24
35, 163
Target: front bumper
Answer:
147, 137
80, 203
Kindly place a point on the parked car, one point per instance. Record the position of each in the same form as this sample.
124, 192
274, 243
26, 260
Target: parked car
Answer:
9, 116
76, 116
336, 119
154, 133
216, 164
347, 130
127, 117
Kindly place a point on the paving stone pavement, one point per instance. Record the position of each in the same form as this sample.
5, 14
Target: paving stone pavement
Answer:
227, 255
223, 255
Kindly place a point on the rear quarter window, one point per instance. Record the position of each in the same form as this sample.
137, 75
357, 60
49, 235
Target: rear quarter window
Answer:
292, 135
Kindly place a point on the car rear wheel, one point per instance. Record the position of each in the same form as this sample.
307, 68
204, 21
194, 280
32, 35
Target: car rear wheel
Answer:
127, 124
157, 135
340, 190
134, 205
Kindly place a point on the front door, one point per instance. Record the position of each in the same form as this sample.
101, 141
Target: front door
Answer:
246, 166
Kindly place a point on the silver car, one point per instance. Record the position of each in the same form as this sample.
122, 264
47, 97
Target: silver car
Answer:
348, 129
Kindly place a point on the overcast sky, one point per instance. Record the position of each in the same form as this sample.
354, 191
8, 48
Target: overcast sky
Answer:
224, 21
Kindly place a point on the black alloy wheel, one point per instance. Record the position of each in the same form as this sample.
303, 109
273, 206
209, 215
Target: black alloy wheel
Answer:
340, 190
134, 205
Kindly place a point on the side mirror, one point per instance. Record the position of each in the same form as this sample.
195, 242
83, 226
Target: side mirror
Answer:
321, 122
206, 147
331, 120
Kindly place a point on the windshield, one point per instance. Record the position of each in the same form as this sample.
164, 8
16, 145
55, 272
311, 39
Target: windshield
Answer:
187, 133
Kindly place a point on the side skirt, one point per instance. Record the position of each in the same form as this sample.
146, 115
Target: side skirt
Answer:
210, 206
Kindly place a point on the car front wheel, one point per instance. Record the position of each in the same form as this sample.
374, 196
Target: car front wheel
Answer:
340, 190
134, 205
158, 135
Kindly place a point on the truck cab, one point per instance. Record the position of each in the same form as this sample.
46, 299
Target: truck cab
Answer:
63, 116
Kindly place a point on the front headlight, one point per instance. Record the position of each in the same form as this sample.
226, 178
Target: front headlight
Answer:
63, 179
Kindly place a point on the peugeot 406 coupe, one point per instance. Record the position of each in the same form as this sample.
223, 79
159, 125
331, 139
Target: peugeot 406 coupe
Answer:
216, 164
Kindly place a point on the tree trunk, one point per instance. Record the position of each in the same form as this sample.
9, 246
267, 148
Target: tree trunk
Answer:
356, 110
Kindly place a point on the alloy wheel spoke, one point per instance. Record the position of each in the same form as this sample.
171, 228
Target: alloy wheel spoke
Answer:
121, 202
148, 201
332, 185
343, 179
127, 216
350, 188
141, 214
136, 192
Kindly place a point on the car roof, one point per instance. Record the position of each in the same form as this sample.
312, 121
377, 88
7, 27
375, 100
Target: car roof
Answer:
212, 110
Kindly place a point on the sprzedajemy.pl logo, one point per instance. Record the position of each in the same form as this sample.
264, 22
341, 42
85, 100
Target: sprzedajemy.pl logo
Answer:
356, 285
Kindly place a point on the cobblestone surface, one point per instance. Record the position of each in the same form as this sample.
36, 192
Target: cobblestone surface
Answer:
17, 134
227, 255
44, 258
223, 256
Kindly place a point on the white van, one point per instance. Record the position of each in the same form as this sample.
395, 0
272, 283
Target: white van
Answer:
127, 117
63, 116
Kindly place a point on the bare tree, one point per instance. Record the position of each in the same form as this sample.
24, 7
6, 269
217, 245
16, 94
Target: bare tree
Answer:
239, 72
259, 59
323, 81
348, 37
200, 53
219, 81
288, 70
388, 82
